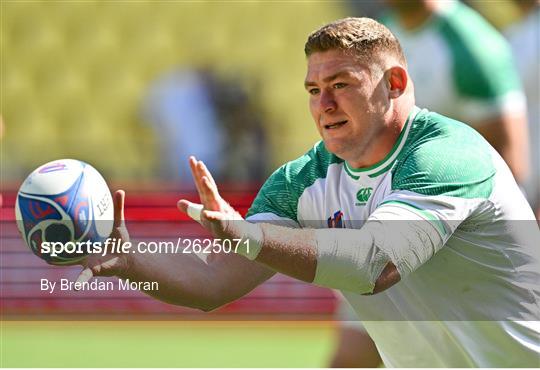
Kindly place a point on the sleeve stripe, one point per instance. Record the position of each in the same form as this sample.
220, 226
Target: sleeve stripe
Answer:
439, 225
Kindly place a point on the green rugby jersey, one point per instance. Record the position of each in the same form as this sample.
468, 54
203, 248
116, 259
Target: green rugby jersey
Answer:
483, 263
460, 64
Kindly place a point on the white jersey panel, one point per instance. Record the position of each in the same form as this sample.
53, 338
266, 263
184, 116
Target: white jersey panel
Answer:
337, 193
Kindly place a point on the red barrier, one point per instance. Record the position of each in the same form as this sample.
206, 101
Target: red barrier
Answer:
149, 215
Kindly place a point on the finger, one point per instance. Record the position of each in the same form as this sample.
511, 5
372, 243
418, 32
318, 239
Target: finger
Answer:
193, 210
200, 174
206, 172
211, 195
193, 167
183, 205
210, 189
85, 275
119, 199
196, 177
189, 207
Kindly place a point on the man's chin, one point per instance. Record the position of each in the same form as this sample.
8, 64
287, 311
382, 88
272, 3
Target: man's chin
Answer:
335, 148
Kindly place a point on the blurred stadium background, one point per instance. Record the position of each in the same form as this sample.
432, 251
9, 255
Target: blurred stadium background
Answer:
74, 79
75, 74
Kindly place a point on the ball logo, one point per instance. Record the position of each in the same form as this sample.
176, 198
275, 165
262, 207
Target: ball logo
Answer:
40, 210
103, 205
53, 167
363, 196
62, 200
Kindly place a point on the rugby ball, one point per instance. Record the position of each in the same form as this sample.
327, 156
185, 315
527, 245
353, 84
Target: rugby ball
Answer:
62, 201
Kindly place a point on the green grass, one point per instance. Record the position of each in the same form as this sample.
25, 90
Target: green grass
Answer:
164, 344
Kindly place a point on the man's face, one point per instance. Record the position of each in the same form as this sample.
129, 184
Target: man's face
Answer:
347, 101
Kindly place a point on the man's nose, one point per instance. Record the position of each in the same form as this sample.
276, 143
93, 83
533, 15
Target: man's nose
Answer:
327, 102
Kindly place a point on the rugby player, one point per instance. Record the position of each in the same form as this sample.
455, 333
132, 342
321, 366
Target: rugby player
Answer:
462, 68
411, 214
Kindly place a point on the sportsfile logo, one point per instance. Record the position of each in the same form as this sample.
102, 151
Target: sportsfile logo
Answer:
363, 196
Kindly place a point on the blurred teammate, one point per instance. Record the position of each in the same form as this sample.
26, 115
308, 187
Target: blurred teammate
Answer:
404, 210
524, 38
462, 67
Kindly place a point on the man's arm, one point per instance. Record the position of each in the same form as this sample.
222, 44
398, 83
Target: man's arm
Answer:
294, 253
342, 259
187, 280
508, 134
184, 279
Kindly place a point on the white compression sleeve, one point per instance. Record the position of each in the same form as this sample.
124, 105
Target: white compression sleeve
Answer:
352, 260
348, 259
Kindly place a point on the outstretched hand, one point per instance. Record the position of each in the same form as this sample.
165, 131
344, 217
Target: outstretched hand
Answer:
112, 263
216, 212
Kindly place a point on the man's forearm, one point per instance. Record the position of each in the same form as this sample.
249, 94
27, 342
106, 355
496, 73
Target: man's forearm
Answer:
335, 258
187, 280
184, 279
508, 134
364, 261
289, 251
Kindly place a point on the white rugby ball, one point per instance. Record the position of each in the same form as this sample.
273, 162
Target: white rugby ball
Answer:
61, 201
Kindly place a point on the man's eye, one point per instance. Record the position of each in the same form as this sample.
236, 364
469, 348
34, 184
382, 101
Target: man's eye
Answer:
313, 91
339, 85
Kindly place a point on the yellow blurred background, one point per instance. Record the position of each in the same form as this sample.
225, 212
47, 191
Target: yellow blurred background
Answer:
74, 74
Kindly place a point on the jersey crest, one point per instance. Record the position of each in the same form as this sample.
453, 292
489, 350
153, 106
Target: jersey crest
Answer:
363, 195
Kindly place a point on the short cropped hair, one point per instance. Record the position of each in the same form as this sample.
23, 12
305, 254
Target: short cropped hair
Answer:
363, 37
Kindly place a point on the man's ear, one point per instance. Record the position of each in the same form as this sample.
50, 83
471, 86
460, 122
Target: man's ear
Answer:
398, 79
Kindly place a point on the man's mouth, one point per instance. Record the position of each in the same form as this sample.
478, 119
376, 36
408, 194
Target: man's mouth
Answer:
335, 125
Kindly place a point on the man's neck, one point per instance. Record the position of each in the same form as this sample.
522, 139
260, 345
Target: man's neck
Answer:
387, 138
